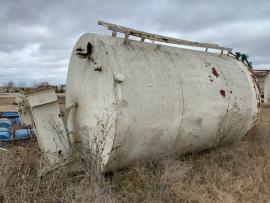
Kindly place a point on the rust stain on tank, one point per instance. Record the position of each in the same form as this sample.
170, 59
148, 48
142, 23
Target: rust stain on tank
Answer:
215, 73
255, 81
257, 89
222, 92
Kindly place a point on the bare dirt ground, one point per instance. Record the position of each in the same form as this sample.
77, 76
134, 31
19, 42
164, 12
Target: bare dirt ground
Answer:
7, 98
236, 173
7, 101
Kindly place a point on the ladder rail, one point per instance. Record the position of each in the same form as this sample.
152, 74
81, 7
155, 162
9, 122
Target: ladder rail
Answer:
154, 37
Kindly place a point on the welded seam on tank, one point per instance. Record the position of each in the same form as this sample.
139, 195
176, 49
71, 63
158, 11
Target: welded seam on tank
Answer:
179, 134
227, 124
182, 110
255, 85
103, 46
113, 71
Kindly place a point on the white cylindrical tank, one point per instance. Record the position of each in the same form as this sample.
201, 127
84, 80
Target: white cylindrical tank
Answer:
137, 100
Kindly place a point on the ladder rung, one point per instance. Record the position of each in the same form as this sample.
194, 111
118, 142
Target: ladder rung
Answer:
145, 35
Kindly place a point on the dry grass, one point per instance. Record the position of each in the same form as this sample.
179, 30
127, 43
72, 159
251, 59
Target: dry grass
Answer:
24, 178
239, 173
236, 173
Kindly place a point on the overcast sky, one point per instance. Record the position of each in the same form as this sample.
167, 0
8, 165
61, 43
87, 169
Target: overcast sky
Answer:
37, 36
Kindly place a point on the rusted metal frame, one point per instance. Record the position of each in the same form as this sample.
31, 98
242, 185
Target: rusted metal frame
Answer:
159, 38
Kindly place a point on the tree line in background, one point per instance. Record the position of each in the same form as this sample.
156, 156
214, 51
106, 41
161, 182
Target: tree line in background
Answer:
12, 87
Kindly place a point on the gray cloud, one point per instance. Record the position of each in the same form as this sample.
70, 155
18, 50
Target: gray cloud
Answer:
37, 37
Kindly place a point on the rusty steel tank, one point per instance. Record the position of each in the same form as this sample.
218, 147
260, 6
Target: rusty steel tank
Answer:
139, 100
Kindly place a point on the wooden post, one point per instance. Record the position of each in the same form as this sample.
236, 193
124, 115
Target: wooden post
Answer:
221, 52
114, 34
126, 37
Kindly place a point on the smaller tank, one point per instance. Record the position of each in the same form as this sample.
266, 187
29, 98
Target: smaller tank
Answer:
22, 133
5, 123
4, 135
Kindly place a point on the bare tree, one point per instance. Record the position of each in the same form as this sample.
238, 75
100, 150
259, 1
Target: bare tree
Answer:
41, 84
9, 86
